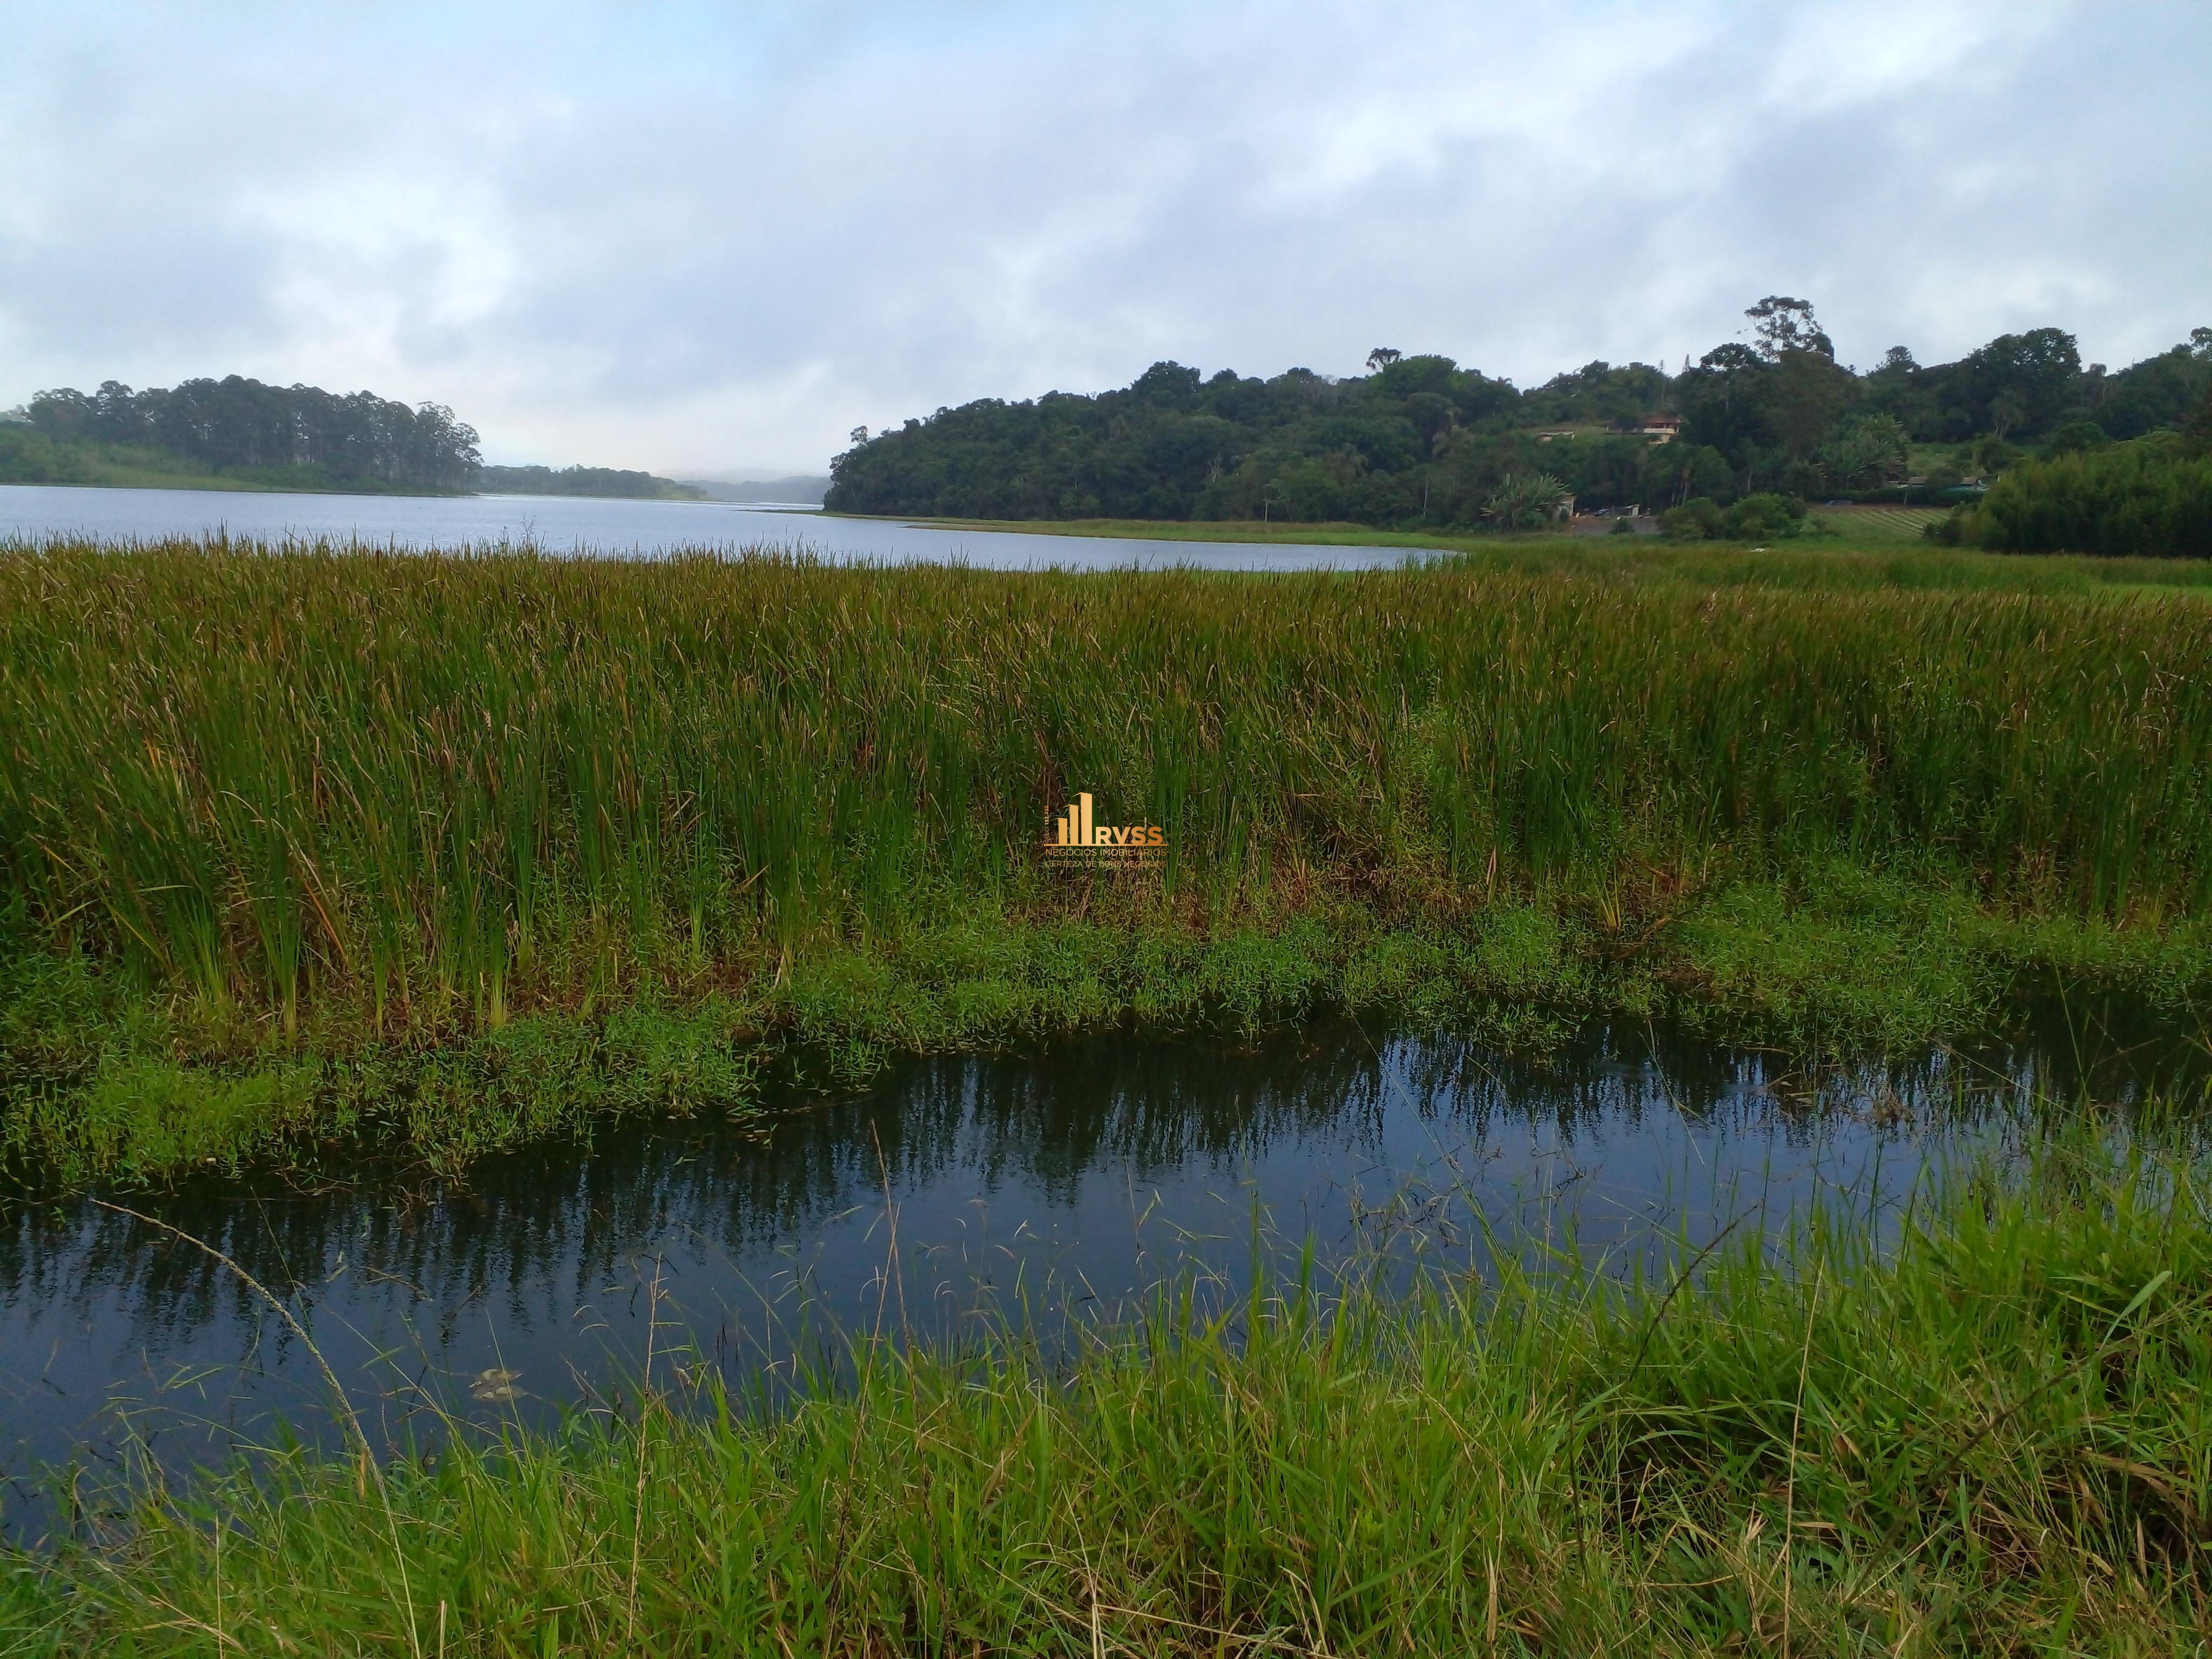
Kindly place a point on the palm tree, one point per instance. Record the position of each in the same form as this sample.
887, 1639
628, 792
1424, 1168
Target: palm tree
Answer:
1523, 500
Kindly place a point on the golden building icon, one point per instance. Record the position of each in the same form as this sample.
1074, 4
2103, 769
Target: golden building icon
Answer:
1077, 828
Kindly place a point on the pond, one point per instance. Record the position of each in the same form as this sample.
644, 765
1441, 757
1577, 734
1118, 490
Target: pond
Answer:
586, 524
1012, 1187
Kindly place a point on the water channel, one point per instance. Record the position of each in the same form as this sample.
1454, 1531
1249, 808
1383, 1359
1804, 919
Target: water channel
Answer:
953, 1195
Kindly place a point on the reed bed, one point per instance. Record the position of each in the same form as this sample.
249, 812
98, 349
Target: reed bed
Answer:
305, 796
1992, 1439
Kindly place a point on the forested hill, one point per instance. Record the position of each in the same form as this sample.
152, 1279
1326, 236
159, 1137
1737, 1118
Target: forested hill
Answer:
1419, 439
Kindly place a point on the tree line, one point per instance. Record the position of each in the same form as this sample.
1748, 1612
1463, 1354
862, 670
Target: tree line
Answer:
1419, 439
608, 481
236, 424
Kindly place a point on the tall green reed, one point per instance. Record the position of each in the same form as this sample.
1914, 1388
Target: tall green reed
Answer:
271, 775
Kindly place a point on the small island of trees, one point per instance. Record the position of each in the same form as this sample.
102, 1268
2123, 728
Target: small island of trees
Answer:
299, 436
239, 433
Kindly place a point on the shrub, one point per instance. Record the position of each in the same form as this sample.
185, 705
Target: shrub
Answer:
1960, 527
1696, 520
1763, 517
1754, 519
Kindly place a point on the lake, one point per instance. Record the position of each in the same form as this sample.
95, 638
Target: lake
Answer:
589, 525
1022, 1188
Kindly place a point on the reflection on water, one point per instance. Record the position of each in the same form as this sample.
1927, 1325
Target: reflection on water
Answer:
576, 523
1021, 1186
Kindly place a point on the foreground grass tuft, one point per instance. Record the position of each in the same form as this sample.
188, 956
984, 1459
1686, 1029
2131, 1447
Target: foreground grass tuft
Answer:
1997, 1438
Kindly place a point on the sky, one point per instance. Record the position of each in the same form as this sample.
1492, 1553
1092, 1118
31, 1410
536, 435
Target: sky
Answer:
709, 241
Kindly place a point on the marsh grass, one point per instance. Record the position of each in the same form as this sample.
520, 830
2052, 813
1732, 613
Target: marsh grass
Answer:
284, 806
1990, 1437
262, 775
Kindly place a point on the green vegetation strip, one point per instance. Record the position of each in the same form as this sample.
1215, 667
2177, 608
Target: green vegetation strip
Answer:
300, 842
30, 457
1839, 548
1990, 1439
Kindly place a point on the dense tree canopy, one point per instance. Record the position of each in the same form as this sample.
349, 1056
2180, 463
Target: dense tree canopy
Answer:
1419, 439
235, 423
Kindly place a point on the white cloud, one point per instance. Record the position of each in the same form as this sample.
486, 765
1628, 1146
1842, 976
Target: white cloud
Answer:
691, 238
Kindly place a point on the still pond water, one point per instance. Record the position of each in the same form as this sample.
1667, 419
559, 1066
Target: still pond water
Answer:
579, 525
1026, 1188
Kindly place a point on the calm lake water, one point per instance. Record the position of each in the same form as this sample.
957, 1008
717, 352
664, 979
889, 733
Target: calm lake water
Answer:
1024, 1188
578, 525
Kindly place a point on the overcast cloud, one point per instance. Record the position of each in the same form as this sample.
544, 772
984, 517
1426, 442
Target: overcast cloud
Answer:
701, 239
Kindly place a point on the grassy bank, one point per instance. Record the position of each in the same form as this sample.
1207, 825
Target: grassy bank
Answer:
296, 843
1856, 547
1990, 1439
107, 1082
1288, 532
1842, 565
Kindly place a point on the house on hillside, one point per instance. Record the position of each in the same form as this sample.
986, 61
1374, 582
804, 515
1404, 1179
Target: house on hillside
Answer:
1660, 429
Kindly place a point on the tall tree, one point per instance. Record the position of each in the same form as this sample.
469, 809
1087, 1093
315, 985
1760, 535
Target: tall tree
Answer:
2038, 373
1780, 324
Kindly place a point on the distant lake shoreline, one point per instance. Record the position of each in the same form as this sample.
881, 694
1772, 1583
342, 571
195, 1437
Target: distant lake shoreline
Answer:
624, 527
